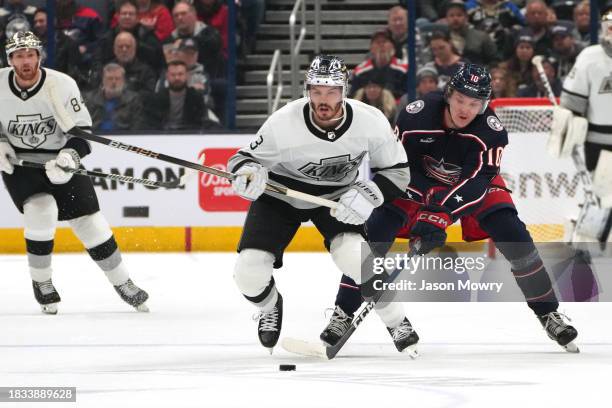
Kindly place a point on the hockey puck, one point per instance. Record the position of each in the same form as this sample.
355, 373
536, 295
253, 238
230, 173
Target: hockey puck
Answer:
286, 367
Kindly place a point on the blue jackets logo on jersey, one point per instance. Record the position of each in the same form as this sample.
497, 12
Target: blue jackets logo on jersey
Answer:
332, 168
32, 129
415, 107
447, 173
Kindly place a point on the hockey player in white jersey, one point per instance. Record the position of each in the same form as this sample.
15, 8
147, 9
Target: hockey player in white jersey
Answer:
587, 92
314, 144
30, 132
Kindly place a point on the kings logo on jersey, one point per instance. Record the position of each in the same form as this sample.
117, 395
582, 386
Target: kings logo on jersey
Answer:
32, 129
332, 168
447, 173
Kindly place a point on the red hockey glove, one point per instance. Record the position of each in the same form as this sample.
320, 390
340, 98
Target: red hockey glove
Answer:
429, 230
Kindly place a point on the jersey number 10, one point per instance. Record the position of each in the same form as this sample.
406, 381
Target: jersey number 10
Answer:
495, 155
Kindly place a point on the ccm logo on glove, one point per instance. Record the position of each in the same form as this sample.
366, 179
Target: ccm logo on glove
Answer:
439, 221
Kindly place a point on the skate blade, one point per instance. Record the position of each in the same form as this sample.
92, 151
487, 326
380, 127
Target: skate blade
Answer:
412, 351
571, 348
50, 308
304, 348
143, 308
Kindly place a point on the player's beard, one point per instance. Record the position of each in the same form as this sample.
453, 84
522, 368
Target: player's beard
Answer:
324, 112
26, 73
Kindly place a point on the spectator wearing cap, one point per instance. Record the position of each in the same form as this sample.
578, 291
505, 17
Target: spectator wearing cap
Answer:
582, 21
427, 81
565, 47
446, 59
139, 77
519, 64
113, 107
497, 18
537, 89
82, 24
149, 48
564, 9
187, 52
207, 38
178, 107
382, 60
375, 94
215, 14
474, 45
154, 16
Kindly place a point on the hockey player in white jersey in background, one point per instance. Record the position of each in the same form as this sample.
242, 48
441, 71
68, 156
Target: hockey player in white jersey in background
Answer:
587, 92
30, 132
315, 145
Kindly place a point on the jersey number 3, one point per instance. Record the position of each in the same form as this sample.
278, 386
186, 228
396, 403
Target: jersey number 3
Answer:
495, 155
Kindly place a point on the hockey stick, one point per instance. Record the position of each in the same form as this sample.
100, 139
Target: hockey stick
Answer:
126, 179
312, 349
68, 125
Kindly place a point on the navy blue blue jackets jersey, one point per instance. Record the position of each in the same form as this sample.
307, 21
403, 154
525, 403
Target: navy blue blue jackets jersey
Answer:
463, 160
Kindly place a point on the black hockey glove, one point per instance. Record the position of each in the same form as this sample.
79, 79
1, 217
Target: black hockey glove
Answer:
429, 230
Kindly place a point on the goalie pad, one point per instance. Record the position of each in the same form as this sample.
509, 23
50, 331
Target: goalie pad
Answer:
566, 132
576, 135
591, 224
602, 179
558, 129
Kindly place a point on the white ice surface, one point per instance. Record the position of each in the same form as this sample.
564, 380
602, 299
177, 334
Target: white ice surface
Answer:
198, 346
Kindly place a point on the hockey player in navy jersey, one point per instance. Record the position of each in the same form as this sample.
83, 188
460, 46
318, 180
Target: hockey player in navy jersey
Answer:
455, 144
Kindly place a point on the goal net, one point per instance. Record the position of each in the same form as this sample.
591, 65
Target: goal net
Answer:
546, 191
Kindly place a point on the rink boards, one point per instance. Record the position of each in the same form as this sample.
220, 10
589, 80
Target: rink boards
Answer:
205, 215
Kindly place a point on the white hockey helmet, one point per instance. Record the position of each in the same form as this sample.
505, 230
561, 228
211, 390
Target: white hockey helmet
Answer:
327, 70
22, 40
606, 30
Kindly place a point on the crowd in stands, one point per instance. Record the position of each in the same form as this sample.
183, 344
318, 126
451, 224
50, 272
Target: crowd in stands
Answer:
162, 65
503, 35
148, 64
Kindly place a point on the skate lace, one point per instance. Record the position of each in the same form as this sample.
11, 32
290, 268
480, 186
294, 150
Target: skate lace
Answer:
401, 332
46, 287
267, 320
339, 321
129, 289
555, 321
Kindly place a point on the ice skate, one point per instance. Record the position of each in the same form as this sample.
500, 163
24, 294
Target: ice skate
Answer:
405, 338
560, 331
270, 323
338, 325
46, 295
133, 295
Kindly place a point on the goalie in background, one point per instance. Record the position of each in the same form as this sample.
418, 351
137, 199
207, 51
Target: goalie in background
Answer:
584, 118
30, 132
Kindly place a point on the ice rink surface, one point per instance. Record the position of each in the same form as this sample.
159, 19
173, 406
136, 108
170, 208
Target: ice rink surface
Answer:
198, 346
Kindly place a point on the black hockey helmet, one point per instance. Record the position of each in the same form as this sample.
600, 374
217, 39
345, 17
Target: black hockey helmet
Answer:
472, 80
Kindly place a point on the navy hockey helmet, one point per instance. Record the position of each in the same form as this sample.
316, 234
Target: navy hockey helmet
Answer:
471, 80
327, 70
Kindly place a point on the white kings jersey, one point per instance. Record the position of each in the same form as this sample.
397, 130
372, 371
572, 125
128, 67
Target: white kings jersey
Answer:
26, 117
302, 156
587, 90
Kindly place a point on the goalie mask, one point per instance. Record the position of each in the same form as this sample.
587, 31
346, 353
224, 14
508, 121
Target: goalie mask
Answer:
471, 80
606, 32
22, 40
327, 70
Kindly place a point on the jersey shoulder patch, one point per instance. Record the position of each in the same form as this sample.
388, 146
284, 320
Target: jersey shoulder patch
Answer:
494, 123
415, 107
